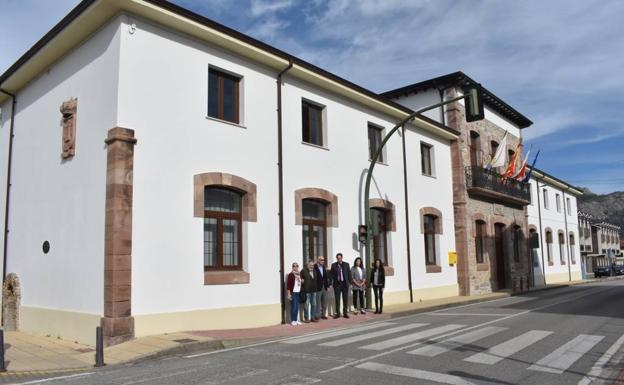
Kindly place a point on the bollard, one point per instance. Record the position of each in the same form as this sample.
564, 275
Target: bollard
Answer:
99, 347
2, 363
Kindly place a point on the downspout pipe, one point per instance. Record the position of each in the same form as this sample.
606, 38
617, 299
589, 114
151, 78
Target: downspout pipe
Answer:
280, 177
541, 231
407, 228
8, 185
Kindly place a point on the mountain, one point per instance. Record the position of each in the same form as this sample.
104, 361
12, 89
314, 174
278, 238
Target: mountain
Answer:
608, 207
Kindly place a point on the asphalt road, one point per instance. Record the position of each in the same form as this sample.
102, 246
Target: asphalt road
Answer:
573, 335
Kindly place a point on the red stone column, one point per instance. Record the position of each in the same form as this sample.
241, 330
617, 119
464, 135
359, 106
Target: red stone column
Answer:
117, 323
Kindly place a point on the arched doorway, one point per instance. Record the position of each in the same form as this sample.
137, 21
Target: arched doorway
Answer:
499, 242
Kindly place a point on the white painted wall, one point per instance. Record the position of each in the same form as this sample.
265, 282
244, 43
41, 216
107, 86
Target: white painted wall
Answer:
341, 169
62, 201
163, 97
556, 221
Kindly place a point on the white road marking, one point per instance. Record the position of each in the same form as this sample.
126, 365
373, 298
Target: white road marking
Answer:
567, 354
297, 355
251, 372
457, 341
336, 333
414, 373
473, 314
368, 336
408, 338
508, 348
596, 370
299, 380
538, 308
55, 378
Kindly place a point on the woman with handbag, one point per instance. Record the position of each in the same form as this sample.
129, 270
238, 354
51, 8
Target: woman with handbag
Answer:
293, 287
358, 285
378, 280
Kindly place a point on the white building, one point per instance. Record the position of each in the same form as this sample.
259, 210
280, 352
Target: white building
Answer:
553, 229
152, 203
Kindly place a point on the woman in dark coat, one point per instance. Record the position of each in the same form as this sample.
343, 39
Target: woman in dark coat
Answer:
378, 281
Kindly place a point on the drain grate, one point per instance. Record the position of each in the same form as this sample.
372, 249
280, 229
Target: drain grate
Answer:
185, 340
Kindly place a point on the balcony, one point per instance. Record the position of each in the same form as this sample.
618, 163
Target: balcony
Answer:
492, 185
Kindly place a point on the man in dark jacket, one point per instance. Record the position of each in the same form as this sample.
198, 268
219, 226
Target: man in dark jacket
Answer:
341, 274
323, 283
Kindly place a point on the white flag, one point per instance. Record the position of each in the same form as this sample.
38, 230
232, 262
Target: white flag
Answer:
500, 157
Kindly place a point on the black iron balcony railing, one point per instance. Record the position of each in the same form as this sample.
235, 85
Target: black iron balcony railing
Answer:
489, 183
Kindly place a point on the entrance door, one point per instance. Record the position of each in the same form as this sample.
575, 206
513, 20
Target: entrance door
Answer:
499, 231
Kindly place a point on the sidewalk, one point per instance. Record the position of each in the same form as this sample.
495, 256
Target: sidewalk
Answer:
28, 354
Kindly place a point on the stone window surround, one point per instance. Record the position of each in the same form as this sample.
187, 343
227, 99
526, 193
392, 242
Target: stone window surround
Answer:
438, 230
561, 255
572, 243
248, 214
546, 231
330, 199
388, 207
485, 266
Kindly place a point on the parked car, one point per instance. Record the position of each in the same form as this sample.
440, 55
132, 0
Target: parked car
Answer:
619, 269
602, 271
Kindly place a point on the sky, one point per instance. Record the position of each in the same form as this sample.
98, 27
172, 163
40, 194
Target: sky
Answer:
558, 62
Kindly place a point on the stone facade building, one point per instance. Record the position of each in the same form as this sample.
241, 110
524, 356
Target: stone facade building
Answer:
489, 211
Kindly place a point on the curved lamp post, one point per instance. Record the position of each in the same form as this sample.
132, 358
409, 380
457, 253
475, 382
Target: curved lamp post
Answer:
473, 111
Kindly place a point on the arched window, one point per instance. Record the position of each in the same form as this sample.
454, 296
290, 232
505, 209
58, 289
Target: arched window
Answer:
516, 234
480, 231
549, 242
561, 247
572, 245
380, 240
222, 229
429, 227
493, 148
475, 148
314, 223
534, 245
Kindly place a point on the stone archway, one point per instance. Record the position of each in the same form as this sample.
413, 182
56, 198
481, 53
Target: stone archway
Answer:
11, 298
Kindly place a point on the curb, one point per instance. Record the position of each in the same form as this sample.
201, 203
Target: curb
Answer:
190, 347
30, 373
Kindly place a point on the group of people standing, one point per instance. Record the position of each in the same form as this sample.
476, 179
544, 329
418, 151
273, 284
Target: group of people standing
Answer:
310, 288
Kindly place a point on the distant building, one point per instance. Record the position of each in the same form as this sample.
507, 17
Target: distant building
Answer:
600, 243
553, 229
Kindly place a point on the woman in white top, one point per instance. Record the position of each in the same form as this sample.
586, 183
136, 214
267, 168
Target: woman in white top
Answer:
293, 285
358, 282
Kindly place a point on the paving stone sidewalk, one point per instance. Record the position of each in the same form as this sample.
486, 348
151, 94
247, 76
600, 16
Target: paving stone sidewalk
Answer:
27, 354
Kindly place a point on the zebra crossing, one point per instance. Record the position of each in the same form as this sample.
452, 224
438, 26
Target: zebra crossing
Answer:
431, 340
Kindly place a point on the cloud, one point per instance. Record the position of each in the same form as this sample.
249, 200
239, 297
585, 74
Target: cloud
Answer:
263, 7
268, 29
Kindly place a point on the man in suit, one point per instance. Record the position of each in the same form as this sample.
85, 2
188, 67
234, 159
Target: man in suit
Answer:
323, 283
341, 274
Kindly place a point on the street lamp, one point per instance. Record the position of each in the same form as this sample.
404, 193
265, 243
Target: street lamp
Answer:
473, 110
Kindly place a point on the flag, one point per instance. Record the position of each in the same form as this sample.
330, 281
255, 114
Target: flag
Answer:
521, 173
511, 167
500, 156
528, 177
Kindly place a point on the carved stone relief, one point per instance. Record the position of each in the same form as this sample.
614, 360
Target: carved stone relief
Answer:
68, 110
